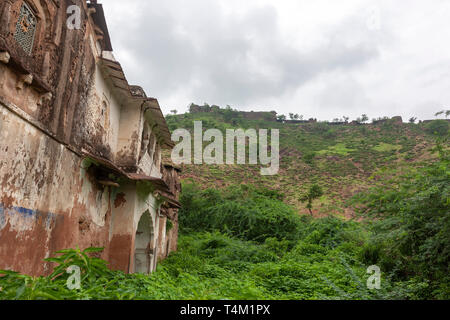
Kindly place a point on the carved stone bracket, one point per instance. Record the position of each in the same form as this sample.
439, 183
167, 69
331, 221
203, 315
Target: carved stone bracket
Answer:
24, 79
4, 57
44, 97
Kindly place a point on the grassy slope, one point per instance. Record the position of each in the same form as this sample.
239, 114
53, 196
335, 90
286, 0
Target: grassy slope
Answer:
343, 159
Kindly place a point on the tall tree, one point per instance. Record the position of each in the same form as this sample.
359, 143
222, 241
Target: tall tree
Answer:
315, 192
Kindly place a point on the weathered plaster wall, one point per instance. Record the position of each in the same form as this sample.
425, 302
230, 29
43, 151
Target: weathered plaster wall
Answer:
147, 204
102, 119
129, 208
150, 153
172, 236
162, 240
48, 201
170, 242
62, 66
129, 137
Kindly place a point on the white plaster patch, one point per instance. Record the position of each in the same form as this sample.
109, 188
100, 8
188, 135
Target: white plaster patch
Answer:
146, 164
18, 223
149, 204
99, 216
64, 182
86, 187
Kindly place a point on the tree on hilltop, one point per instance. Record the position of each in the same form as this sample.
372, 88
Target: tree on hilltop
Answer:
363, 119
443, 112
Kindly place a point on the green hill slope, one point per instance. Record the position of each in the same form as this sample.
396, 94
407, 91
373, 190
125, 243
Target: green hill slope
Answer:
343, 159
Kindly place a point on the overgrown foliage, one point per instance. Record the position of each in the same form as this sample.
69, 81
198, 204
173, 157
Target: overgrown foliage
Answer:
438, 127
243, 211
264, 250
412, 228
217, 266
247, 242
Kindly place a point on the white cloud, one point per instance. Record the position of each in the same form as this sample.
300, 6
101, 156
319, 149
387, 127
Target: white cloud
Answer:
323, 59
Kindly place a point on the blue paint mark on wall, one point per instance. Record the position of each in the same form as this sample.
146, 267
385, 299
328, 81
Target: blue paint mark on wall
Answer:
25, 213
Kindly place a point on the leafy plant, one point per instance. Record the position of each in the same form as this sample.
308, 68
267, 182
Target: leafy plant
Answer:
412, 227
438, 127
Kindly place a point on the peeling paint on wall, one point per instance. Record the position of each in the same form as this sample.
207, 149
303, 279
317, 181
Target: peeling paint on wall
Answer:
51, 196
23, 219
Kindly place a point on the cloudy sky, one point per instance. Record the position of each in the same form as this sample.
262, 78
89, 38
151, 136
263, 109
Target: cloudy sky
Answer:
322, 59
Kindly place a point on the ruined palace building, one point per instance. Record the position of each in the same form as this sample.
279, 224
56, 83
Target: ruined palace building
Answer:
80, 148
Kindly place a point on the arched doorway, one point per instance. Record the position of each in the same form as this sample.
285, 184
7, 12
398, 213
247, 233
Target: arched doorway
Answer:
144, 246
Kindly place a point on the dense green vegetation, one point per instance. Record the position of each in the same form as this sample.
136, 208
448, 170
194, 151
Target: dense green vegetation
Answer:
310, 259
242, 236
245, 243
412, 229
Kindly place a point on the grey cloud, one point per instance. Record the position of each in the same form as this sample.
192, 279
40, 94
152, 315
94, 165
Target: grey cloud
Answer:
196, 51
219, 58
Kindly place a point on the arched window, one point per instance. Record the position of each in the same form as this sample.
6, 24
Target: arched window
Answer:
157, 155
151, 145
145, 141
105, 114
26, 28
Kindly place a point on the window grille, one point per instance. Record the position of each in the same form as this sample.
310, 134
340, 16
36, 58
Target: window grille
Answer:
26, 29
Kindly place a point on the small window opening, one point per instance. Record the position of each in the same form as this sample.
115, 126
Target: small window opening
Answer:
26, 28
105, 114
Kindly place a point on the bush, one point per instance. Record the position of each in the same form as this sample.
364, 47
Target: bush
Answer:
411, 233
438, 127
242, 211
309, 157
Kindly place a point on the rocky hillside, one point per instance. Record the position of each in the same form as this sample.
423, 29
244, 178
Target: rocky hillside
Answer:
342, 158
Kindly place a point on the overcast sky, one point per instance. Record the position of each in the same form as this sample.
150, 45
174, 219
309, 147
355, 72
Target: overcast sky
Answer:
322, 59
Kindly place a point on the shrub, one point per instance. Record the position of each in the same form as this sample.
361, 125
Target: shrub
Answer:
438, 127
241, 211
309, 157
412, 227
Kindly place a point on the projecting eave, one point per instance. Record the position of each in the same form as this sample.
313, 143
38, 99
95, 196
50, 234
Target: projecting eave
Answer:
154, 114
157, 183
127, 94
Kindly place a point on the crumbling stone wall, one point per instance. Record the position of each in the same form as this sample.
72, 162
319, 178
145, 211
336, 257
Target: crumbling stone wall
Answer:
267, 116
48, 201
249, 115
66, 143
170, 242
